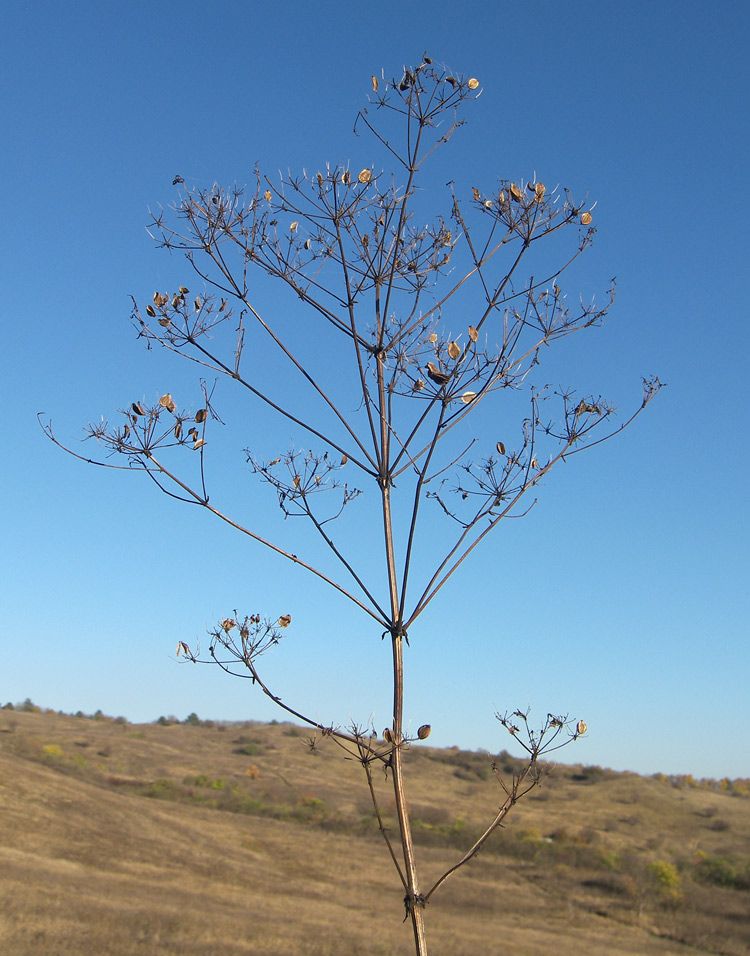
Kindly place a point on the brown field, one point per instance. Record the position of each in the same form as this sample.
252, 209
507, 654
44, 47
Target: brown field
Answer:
118, 839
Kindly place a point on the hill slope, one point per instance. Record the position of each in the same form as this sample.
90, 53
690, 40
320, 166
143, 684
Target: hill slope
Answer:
222, 840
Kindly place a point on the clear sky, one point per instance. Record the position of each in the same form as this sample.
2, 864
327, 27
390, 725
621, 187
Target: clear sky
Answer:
622, 598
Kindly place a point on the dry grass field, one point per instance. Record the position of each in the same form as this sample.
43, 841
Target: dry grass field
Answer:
212, 840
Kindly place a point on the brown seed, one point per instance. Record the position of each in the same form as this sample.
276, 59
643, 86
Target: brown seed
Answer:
473, 334
165, 400
500, 447
285, 620
227, 624
433, 338
388, 735
294, 226
440, 378
183, 290
581, 727
374, 84
198, 444
424, 731
201, 415
164, 321
473, 84
365, 176
539, 191
138, 409
475, 193
268, 195
468, 397
344, 459
150, 310
586, 219
454, 350
516, 192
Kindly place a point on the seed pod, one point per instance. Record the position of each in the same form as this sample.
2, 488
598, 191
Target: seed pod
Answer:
150, 310
454, 350
268, 195
424, 731
473, 334
586, 219
500, 447
433, 338
183, 290
468, 397
164, 321
440, 378
198, 444
227, 624
296, 481
473, 83
516, 192
138, 409
452, 80
418, 385
294, 226
475, 193
388, 735
201, 415
285, 620
346, 177
374, 84
365, 176
344, 459
178, 430
581, 727
197, 305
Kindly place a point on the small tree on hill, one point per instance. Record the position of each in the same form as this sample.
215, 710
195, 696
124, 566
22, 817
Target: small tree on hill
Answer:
385, 333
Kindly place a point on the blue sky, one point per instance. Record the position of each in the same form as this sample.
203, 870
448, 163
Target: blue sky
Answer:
622, 598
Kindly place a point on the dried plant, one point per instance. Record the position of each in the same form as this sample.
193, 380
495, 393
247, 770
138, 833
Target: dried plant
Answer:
393, 294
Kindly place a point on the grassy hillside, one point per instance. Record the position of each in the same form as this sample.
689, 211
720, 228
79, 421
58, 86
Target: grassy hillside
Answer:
209, 840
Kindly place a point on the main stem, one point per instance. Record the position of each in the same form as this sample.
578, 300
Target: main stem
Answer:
413, 900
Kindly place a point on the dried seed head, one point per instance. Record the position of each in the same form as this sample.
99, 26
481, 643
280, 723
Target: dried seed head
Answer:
365, 176
285, 620
424, 731
418, 385
586, 219
516, 192
227, 624
473, 83
539, 191
454, 350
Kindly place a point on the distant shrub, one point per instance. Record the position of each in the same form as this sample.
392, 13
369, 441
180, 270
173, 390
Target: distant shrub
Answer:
29, 707
723, 871
249, 750
53, 750
8, 706
193, 720
668, 881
